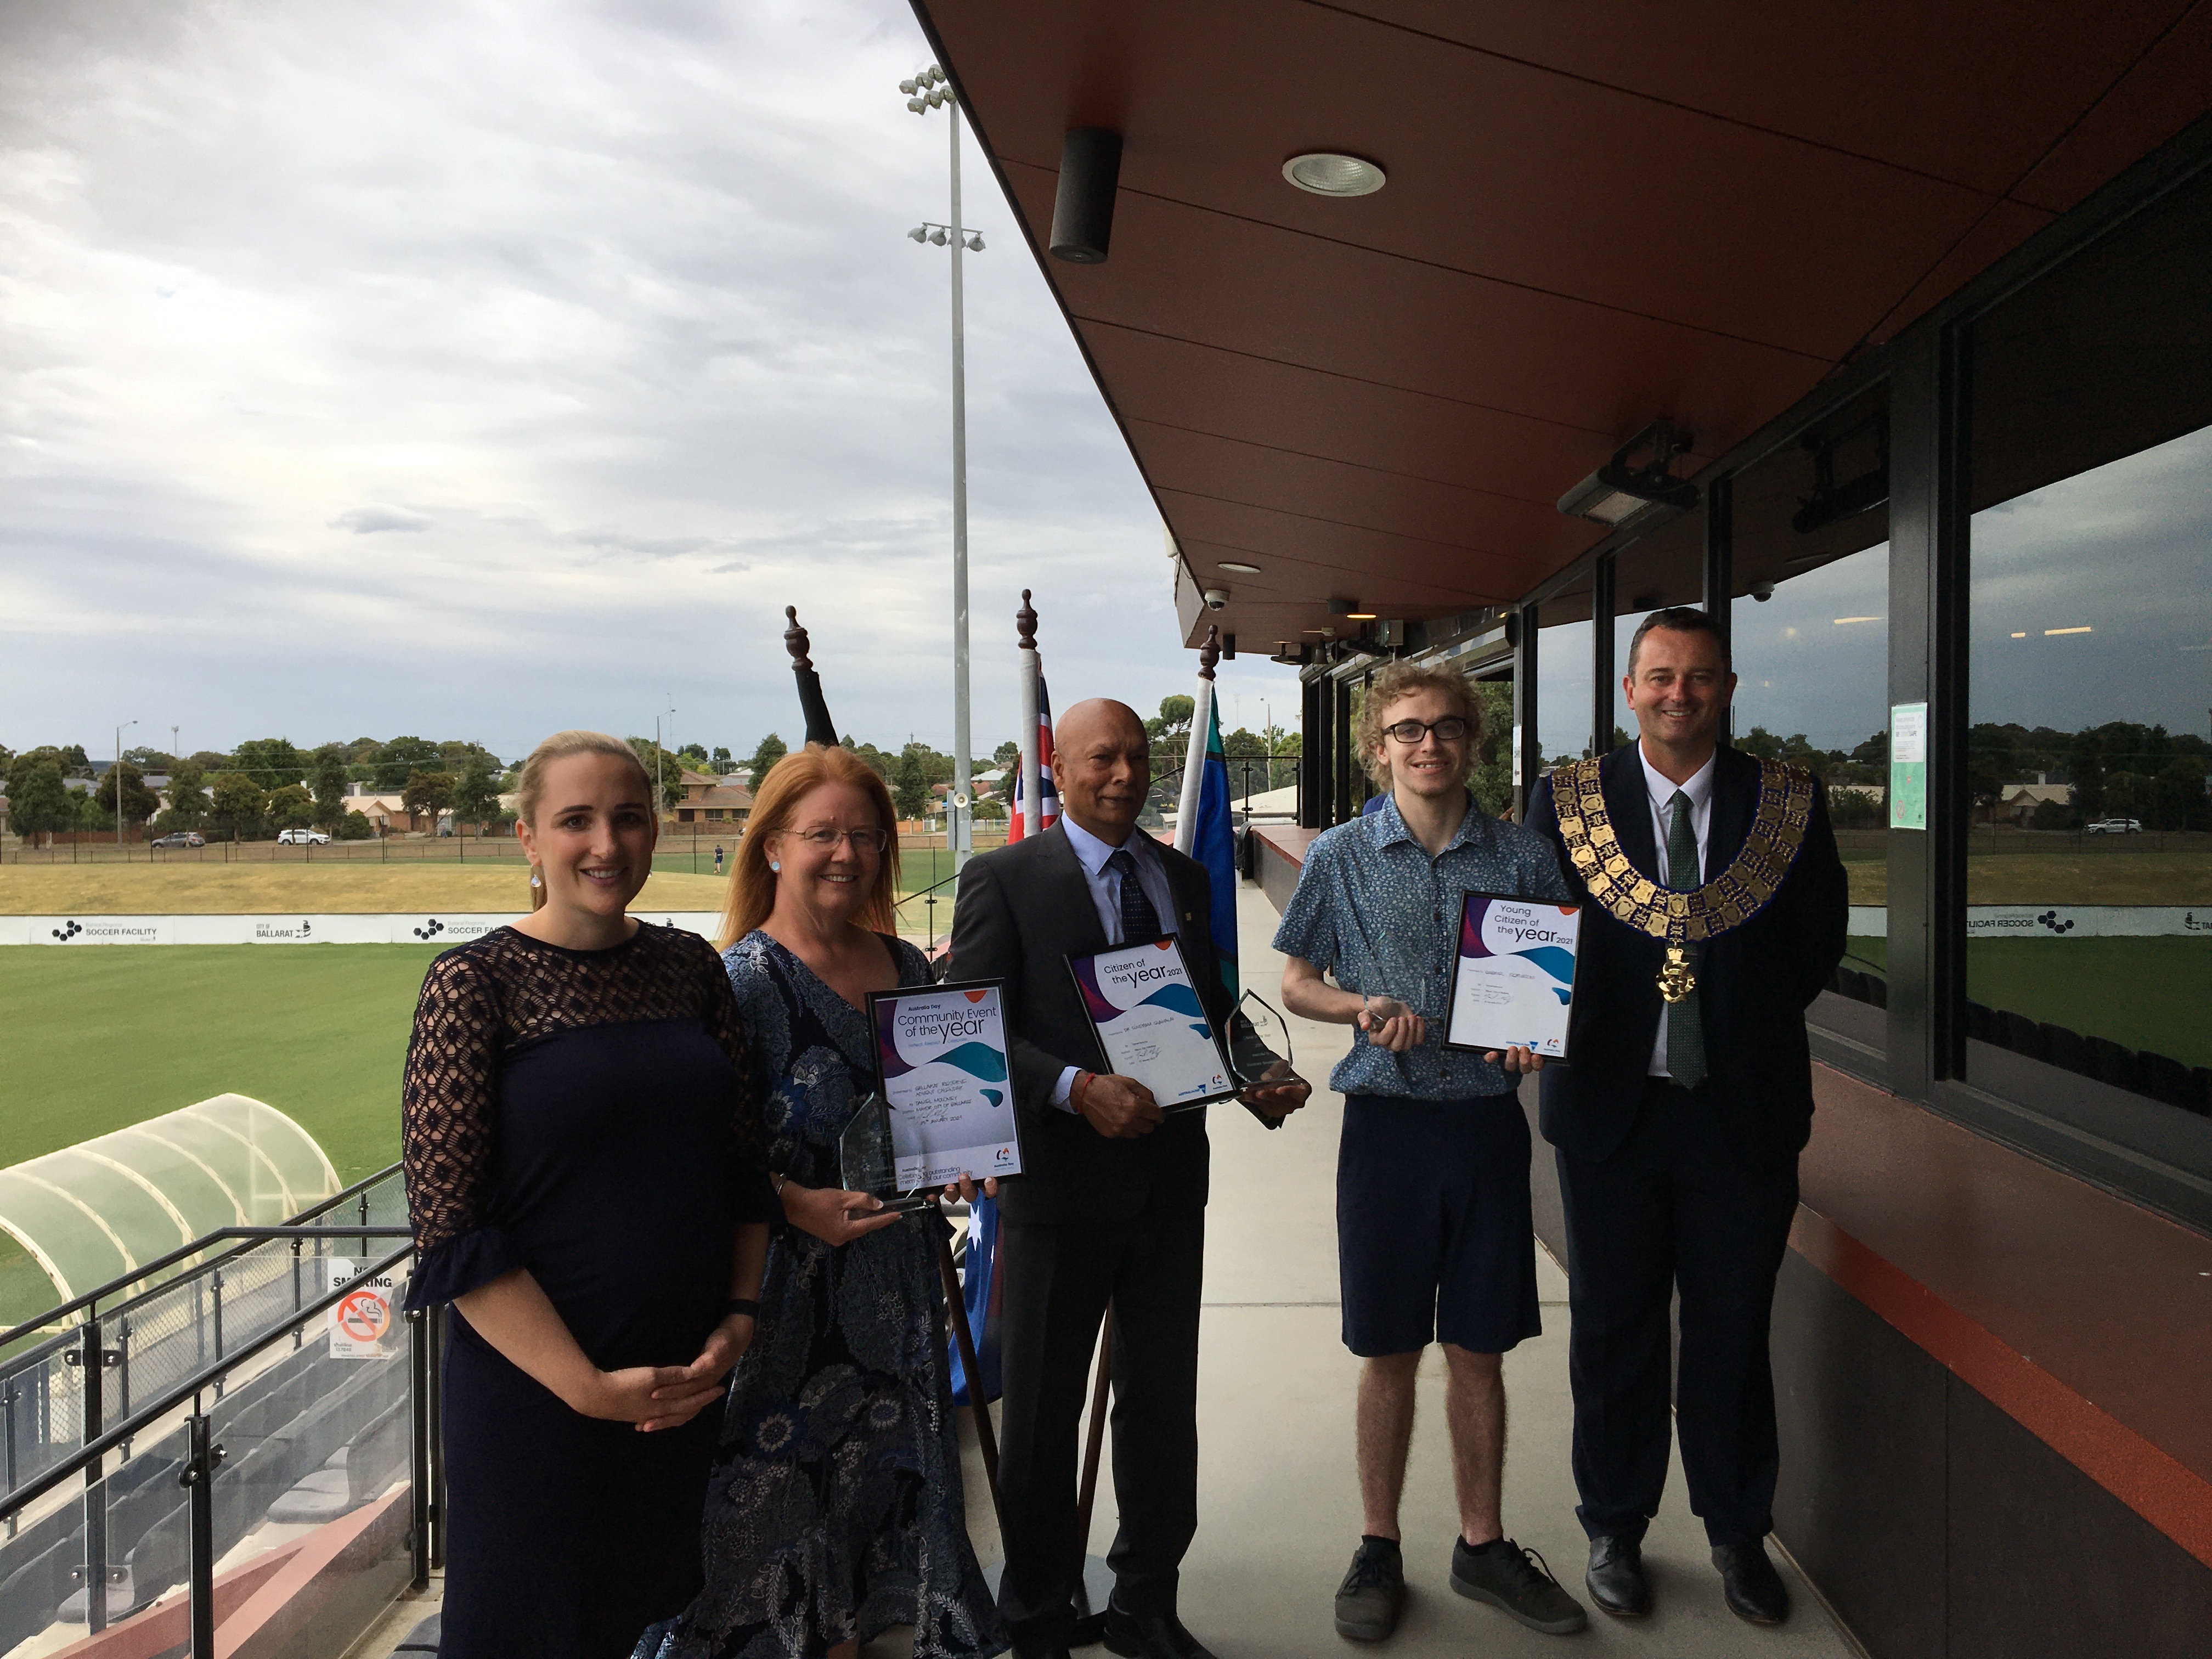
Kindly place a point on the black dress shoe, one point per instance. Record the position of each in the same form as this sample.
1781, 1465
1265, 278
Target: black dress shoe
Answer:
1616, 1579
1755, 1591
1151, 1636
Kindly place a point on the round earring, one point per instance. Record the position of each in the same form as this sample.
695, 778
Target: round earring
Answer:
775, 865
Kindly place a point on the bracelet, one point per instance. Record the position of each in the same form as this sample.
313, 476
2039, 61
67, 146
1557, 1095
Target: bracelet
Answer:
1079, 1087
741, 1305
778, 1181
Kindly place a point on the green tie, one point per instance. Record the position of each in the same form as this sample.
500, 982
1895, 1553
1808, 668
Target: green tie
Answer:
1685, 1026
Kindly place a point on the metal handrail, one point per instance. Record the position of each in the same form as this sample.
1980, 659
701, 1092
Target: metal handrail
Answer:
79, 1303
90, 1454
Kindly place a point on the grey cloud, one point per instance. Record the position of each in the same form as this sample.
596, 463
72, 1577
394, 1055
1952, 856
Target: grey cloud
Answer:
373, 520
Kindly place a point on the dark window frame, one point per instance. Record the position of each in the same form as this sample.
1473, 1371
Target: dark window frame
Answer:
2152, 1154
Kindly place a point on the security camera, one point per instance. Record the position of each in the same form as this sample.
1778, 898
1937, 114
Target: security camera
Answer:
1217, 598
1762, 592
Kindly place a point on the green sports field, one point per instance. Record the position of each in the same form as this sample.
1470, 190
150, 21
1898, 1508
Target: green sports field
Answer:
2143, 994
102, 1038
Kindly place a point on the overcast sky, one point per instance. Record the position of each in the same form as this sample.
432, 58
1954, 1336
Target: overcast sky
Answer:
476, 370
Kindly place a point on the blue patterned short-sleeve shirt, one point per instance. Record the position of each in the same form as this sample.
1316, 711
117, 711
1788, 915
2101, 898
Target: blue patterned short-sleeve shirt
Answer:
1376, 911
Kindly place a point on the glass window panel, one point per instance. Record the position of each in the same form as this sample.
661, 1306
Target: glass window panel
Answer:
2089, 855
1666, 568
1563, 689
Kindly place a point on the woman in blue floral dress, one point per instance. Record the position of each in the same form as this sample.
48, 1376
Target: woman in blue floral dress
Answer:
835, 1508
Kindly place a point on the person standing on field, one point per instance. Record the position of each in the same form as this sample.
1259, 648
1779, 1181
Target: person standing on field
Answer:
1435, 1240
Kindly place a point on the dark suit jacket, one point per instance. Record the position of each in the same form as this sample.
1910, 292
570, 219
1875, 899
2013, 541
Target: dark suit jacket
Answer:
1024, 909
1754, 983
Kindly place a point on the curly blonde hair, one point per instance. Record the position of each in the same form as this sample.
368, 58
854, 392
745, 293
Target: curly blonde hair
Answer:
1400, 680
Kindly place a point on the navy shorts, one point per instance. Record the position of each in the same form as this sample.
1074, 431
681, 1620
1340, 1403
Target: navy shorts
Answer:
1434, 1239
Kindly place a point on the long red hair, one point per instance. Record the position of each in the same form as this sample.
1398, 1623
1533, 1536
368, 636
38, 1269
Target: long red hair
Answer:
775, 799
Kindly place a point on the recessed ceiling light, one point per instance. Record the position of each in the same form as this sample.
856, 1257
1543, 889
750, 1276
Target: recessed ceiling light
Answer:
1322, 172
1241, 570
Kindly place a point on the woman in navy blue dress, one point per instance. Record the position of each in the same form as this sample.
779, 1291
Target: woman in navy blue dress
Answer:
585, 1179
836, 1508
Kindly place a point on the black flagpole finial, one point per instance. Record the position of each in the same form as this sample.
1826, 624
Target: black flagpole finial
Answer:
1210, 653
1026, 621
795, 640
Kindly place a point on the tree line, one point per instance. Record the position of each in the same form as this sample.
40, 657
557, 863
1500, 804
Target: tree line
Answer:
265, 786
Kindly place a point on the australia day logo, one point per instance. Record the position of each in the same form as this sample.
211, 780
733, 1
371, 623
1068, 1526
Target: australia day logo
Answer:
958, 1030
1541, 935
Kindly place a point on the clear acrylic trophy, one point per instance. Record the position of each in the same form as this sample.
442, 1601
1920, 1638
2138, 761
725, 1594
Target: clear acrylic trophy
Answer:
867, 1160
1258, 1038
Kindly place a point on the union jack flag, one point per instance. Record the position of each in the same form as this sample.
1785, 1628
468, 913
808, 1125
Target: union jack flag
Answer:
1047, 797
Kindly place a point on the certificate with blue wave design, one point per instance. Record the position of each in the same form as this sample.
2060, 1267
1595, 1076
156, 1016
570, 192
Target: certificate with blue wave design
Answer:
1151, 1023
1513, 978
941, 1069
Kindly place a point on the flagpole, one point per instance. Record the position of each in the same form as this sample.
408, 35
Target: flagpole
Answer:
1201, 723
1032, 669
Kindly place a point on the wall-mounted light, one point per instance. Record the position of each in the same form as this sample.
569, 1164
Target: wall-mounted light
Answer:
1083, 209
1618, 492
1328, 173
1241, 570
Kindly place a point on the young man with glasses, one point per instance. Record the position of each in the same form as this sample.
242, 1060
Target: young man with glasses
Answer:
1435, 1240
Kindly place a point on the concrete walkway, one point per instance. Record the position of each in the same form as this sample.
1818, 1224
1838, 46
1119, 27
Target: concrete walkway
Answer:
1278, 1503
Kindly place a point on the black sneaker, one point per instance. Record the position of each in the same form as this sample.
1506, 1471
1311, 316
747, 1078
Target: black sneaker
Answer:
1368, 1600
1518, 1581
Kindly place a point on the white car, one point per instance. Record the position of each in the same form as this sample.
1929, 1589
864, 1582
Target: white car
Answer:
302, 838
2114, 827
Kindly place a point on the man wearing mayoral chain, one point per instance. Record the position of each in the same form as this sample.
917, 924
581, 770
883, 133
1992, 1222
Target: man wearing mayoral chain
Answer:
1715, 913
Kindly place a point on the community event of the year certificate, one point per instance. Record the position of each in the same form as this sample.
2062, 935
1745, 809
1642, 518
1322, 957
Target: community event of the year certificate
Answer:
942, 1052
1513, 976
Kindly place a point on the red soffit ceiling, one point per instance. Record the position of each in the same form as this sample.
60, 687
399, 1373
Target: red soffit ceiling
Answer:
1597, 213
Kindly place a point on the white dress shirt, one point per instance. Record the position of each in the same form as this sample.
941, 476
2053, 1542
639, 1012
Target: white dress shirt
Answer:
1662, 788
1105, 886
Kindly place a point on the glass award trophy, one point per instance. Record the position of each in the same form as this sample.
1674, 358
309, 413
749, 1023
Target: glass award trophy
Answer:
868, 1162
1258, 1038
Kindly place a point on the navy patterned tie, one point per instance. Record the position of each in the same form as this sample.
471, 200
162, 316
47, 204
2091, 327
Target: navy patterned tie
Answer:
1686, 1026
1140, 923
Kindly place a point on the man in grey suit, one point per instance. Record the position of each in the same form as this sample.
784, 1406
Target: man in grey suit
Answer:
1110, 1205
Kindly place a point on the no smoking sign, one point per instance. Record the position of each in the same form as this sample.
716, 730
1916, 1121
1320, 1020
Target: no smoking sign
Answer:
360, 1319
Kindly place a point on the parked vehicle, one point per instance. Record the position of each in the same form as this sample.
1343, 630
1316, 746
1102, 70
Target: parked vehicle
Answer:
302, 838
2115, 827
182, 838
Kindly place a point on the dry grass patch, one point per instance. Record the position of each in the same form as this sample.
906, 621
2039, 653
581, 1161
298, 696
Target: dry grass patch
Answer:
197, 889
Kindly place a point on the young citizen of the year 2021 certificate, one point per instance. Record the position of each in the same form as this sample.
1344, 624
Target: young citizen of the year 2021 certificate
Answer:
1513, 976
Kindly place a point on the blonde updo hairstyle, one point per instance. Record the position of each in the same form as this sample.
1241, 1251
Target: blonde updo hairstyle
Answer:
530, 790
776, 803
1399, 680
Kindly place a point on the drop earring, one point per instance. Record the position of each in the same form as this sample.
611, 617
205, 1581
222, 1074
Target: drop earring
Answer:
536, 880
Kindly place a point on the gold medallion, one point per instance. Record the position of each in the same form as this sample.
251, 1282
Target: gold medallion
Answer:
1675, 979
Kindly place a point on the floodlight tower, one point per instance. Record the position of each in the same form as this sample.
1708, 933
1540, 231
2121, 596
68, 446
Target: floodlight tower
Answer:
933, 90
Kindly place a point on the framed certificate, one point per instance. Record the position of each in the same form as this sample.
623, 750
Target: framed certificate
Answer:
942, 1075
1153, 1024
1513, 976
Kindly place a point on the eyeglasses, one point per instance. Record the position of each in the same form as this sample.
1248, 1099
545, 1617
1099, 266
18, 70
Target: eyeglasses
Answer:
864, 841
1450, 729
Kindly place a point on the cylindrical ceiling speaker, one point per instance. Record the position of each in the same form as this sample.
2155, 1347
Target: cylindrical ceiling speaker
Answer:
1083, 213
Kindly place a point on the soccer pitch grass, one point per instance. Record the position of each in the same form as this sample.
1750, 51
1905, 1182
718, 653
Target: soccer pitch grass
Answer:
2143, 994
99, 1039
2183, 877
